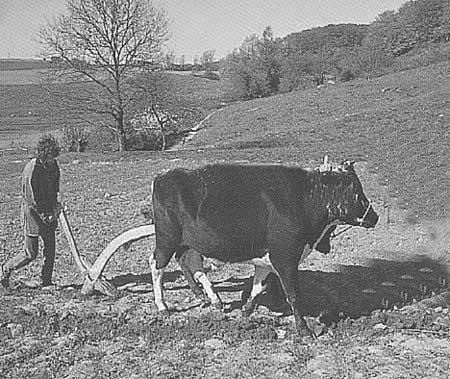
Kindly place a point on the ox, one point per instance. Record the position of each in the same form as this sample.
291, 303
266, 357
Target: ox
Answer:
267, 215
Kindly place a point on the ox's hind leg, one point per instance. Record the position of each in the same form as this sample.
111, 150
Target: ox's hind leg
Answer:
182, 257
258, 287
287, 270
191, 263
208, 287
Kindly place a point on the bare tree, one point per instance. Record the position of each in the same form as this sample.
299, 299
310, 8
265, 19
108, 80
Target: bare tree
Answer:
182, 62
207, 59
195, 64
169, 60
108, 43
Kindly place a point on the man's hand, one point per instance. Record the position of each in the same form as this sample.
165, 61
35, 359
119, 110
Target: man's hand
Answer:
50, 218
47, 219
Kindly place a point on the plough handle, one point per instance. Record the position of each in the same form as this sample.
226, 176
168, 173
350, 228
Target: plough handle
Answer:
72, 244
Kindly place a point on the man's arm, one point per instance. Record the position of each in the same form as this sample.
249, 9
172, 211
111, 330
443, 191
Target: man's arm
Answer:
27, 186
58, 206
37, 193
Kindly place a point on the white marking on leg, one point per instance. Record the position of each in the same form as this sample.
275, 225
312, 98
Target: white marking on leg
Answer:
266, 264
207, 286
258, 287
157, 277
263, 266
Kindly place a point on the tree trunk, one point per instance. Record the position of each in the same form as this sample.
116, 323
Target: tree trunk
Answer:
121, 140
121, 137
161, 127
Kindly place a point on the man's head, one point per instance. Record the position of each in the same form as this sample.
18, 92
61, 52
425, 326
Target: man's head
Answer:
47, 149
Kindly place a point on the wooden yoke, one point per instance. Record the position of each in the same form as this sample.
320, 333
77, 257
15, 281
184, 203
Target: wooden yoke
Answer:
94, 279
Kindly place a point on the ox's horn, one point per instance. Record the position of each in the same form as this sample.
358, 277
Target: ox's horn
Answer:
325, 166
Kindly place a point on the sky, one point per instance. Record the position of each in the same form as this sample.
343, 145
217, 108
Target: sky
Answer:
198, 25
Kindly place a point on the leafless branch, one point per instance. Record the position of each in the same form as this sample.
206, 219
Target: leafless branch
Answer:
106, 43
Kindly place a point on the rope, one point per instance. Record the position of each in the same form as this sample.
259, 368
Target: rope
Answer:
334, 235
361, 221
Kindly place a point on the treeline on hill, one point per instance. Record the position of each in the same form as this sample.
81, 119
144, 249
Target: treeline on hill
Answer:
415, 35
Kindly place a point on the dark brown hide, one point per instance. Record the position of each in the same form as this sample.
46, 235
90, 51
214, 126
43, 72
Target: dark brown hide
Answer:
238, 212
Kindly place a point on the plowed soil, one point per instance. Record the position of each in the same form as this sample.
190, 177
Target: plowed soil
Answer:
379, 301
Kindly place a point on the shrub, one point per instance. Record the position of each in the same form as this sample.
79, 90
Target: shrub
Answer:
144, 140
253, 70
423, 56
347, 75
208, 75
75, 138
151, 131
102, 139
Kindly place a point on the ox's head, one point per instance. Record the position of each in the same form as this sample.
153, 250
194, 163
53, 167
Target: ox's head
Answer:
346, 202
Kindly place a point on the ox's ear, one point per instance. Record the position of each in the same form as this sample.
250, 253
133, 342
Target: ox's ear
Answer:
348, 166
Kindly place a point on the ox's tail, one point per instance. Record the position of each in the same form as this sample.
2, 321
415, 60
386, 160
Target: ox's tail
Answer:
146, 210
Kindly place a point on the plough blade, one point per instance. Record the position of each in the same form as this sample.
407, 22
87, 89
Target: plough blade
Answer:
92, 281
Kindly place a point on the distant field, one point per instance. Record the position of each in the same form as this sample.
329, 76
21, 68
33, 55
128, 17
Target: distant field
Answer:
28, 108
21, 77
22, 64
27, 111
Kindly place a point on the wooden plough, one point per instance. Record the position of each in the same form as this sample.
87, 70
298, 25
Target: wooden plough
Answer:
94, 279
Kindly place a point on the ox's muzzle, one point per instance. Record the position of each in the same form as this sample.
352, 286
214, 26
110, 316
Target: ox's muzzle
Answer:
369, 219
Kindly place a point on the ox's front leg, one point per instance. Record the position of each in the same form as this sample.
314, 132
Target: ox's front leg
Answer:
157, 278
287, 270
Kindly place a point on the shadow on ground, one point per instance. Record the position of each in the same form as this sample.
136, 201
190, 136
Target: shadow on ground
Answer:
355, 291
351, 291
142, 283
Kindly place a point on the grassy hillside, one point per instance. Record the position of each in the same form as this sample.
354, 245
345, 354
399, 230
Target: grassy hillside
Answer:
398, 123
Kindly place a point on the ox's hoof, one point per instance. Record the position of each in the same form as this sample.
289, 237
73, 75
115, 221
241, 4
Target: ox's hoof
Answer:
248, 308
217, 306
199, 295
306, 333
309, 327
163, 310
163, 314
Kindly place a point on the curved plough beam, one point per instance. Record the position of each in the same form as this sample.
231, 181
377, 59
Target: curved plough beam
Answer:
94, 279
101, 284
